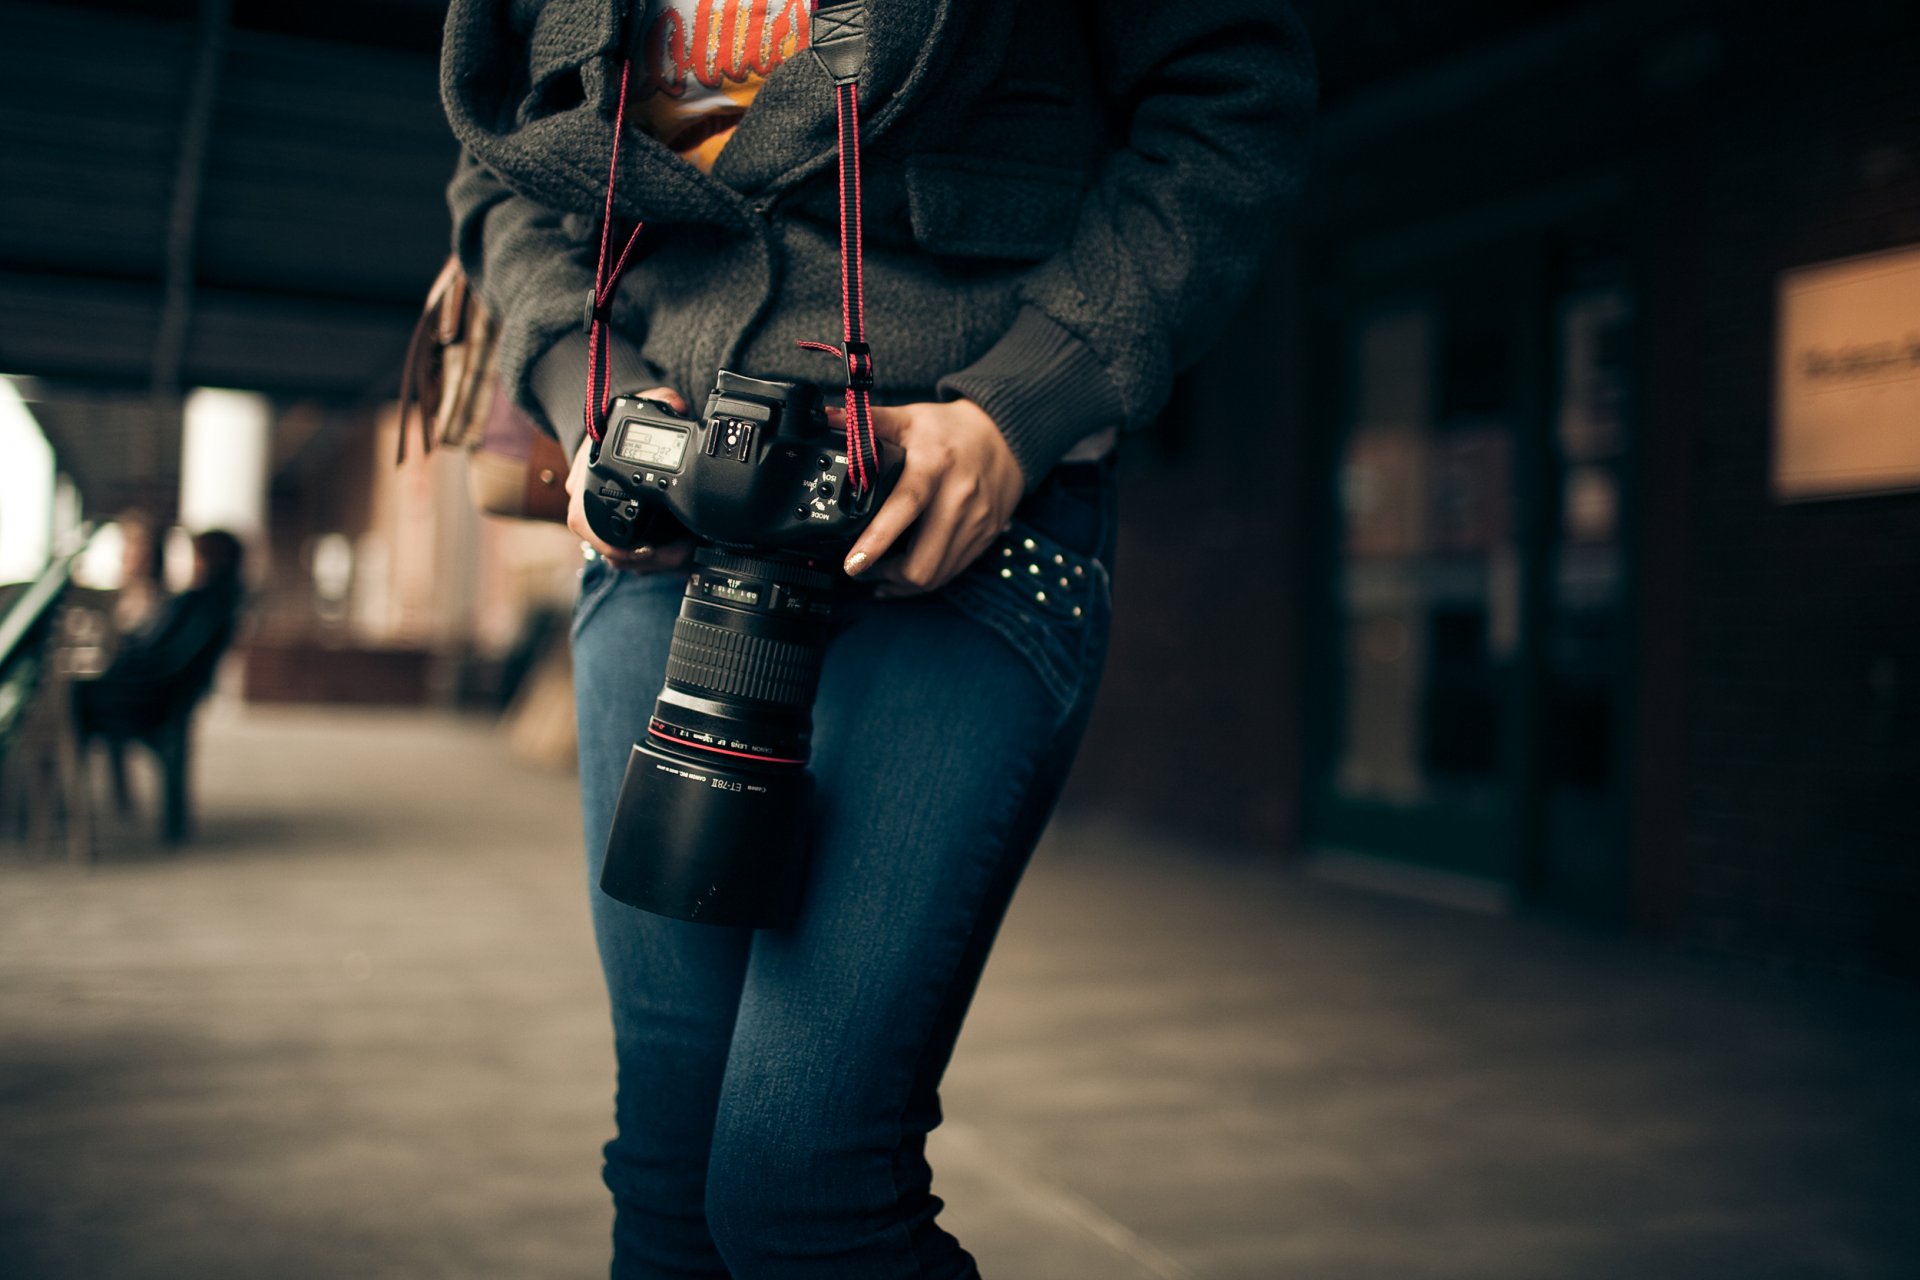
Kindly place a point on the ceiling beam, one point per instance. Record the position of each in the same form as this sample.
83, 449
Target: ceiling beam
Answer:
183, 218
98, 332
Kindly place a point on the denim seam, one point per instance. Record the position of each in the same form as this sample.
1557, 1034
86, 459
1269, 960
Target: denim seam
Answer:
1002, 829
591, 598
991, 614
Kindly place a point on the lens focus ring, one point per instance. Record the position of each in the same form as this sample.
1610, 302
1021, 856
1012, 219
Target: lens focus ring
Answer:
733, 664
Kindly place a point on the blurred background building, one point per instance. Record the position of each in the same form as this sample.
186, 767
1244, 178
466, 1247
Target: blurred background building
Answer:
1543, 535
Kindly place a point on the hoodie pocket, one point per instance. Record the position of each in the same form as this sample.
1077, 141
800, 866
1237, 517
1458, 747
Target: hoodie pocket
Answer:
979, 207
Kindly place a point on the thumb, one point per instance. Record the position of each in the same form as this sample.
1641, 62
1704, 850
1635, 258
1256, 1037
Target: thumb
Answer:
668, 395
889, 424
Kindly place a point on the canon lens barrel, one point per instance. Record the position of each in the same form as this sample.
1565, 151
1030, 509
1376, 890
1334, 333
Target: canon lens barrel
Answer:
711, 822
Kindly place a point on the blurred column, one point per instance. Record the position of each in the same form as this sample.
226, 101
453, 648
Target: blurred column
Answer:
223, 463
26, 490
69, 515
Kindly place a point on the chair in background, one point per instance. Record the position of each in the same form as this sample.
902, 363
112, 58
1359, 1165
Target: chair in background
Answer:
166, 731
149, 692
43, 797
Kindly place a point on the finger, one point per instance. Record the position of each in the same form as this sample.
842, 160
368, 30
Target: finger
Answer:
673, 555
925, 564
889, 580
616, 555
668, 396
661, 559
961, 552
647, 555
577, 477
979, 526
888, 424
970, 534
900, 510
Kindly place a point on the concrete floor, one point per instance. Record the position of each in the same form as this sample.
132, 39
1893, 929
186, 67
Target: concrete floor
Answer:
356, 1031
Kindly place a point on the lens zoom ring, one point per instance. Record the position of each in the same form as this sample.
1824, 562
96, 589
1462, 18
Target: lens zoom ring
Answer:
781, 571
735, 665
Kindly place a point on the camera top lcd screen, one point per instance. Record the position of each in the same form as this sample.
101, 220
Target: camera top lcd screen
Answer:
647, 445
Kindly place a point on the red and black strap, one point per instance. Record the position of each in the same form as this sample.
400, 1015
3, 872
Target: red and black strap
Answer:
863, 456
839, 40
605, 281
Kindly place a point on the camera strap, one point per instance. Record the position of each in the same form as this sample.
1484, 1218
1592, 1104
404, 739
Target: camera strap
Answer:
605, 282
839, 41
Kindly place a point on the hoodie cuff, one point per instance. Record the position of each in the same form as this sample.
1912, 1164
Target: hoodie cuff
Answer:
557, 385
1043, 387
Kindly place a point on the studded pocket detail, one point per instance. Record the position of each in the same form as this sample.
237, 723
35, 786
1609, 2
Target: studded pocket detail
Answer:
1042, 598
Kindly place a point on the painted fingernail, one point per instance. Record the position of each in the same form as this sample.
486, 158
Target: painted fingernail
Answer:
856, 562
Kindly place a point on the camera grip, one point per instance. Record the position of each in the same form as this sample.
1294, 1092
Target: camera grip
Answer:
624, 523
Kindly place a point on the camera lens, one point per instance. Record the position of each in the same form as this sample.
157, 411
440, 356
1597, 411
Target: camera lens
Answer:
712, 815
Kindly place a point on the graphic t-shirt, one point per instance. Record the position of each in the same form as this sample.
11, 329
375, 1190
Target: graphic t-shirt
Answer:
700, 63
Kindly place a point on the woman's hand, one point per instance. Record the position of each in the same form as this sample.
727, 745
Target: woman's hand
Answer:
956, 492
641, 559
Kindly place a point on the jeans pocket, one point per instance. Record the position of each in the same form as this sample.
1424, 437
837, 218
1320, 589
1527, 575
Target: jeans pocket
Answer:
1042, 597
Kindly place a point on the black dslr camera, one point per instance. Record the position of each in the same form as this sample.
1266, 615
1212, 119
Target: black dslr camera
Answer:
712, 816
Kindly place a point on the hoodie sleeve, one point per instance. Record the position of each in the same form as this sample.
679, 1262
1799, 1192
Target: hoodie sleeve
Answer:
534, 273
1212, 103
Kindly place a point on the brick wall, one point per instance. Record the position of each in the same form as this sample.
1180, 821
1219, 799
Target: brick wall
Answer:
1775, 740
1197, 727
1802, 795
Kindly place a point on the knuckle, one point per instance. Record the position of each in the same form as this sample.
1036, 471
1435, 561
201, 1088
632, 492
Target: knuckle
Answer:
931, 459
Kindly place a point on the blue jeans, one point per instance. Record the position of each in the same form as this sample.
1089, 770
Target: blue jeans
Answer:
776, 1087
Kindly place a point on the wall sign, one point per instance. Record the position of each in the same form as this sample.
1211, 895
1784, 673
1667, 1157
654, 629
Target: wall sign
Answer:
1847, 378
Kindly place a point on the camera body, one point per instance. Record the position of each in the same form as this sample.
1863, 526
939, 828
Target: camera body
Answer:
713, 817
759, 469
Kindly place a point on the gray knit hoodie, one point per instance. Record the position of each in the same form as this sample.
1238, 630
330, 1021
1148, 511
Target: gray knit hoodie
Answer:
1064, 199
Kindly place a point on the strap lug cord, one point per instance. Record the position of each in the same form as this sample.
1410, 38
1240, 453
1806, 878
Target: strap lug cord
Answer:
838, 40
606, 281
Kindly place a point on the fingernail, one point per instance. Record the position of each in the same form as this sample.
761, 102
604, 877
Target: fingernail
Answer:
856, 562
642, 553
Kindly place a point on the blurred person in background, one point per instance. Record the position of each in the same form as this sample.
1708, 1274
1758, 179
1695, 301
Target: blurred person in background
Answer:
143, 571
1062, 202
161, 668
